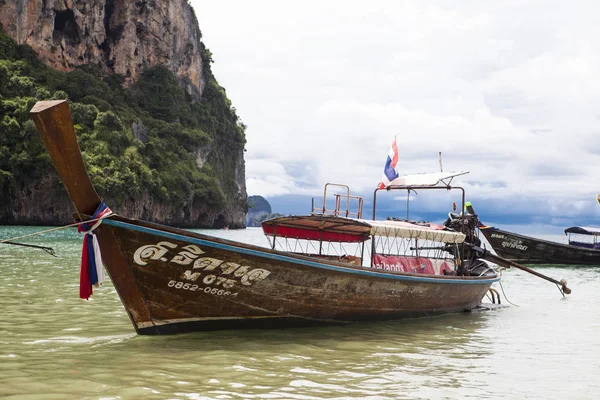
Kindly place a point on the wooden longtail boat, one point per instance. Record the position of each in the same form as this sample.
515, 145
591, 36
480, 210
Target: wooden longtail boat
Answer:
530, 250
171, 280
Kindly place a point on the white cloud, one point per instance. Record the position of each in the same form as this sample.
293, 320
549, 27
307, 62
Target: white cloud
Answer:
508, 90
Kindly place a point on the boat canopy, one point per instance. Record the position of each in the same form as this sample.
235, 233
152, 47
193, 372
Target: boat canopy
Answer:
583, 230
426, 179
341, 229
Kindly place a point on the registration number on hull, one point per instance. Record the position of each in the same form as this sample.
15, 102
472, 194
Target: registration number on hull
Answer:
218, 277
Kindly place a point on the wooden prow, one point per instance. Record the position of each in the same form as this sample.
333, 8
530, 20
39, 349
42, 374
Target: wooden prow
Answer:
53, 121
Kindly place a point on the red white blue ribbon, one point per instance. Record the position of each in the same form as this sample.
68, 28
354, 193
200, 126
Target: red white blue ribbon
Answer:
92, 268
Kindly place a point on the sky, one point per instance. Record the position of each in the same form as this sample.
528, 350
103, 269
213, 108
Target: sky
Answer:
509, 91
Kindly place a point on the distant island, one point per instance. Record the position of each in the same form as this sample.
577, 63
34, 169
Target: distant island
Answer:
259, 210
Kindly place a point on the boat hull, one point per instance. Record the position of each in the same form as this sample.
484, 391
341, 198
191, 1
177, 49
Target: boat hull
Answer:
528, 250
172, 281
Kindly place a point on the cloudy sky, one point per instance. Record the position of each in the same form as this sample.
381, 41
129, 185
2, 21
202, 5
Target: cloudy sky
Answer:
509, 91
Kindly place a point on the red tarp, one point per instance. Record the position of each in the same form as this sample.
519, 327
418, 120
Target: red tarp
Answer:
309, 234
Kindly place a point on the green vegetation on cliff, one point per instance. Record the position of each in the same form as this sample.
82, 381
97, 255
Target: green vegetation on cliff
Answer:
144, 139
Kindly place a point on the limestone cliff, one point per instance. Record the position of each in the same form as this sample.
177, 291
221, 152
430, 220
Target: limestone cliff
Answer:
120, 36
125, 38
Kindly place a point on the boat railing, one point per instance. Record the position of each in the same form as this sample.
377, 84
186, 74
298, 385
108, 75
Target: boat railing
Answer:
345, 205
587, 245
584, 237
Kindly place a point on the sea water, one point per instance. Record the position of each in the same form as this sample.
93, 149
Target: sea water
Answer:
55, 346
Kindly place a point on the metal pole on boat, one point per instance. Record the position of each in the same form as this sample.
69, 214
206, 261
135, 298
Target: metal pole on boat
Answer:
274, 236
374, 203
48, 250
483, 253
372, 236
362, 253
321, 242
407, 202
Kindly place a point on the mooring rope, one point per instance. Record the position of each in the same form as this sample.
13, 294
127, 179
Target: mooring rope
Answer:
49, 230
502, 287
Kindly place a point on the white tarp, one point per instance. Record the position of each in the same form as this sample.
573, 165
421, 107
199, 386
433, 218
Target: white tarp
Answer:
404, 229
426, 179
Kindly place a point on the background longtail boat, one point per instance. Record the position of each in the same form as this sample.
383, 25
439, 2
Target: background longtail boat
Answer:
530, 250
171, 280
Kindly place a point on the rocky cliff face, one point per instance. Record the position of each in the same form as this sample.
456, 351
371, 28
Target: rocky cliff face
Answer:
120, 36
45, 202
40, 202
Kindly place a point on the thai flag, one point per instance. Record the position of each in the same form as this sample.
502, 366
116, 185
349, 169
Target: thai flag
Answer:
389, 171
92, 268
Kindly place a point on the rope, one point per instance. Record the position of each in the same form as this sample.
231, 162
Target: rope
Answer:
50, 230
502, 287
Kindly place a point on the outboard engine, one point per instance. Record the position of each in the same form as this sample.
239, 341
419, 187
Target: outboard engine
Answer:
466, 224
472, 264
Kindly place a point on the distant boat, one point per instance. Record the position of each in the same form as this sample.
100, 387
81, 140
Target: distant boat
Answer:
583, 246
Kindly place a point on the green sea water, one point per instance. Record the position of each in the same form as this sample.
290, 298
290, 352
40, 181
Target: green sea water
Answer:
55, 346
